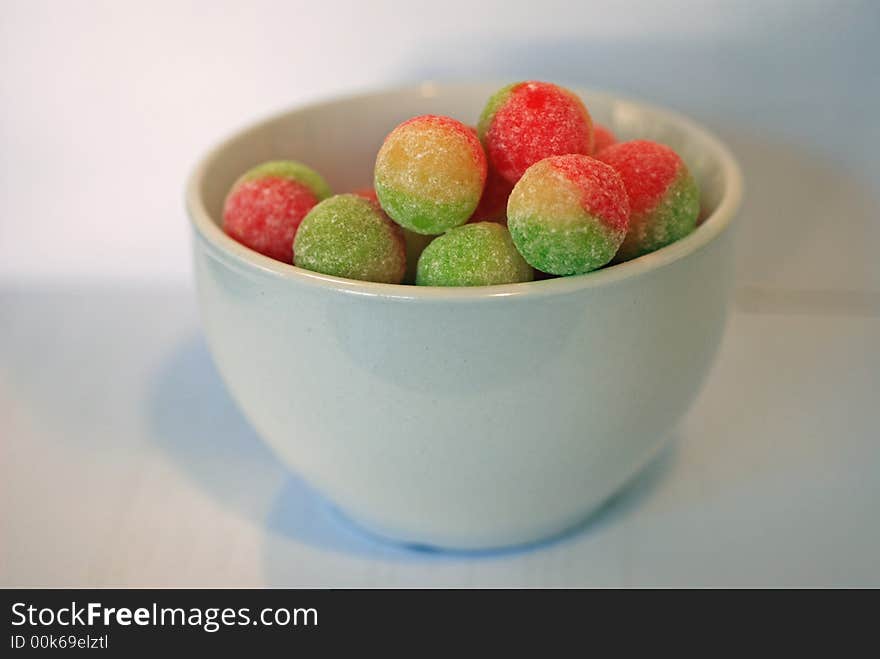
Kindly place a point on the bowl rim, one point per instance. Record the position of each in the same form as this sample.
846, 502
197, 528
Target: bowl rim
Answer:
243, 258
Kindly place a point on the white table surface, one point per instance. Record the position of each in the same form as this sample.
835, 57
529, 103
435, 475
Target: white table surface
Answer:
124, 462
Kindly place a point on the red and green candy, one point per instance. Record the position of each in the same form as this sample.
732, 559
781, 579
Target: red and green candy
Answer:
265, 206
568, 214
430, 174
526, 122
663, 196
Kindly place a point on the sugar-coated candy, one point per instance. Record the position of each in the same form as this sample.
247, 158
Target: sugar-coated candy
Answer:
265, 206
349, 236
493, 203
602, 137
415, 242
663, 196
478, 254
528, 121
568, 214
430, 173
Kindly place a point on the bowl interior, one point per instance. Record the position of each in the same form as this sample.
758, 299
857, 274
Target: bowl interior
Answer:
340, 139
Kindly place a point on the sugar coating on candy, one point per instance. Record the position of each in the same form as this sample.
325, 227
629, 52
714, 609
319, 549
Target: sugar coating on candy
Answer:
430, 173
493, 203
293, 170
602, 137
415, 242
568, 214
349, 236
480, 254
265, 206
664, 197
528, 121
264, 215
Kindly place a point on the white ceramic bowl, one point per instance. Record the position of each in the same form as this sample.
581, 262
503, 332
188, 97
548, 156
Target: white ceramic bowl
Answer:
461, 417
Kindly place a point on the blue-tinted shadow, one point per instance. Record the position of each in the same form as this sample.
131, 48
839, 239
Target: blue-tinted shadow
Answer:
196, 422
302, 515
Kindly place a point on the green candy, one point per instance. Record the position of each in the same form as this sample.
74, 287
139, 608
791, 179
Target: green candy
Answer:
428, 217
349, 236
479, 254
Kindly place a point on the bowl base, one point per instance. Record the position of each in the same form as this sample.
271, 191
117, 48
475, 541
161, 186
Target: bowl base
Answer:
531, 537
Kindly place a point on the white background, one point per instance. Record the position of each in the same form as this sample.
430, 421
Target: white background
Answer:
122, 459
104, 106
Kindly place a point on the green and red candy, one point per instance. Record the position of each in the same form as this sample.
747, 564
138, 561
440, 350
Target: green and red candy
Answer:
663, 196
430, 174
568, 214
265, 206
528, 121
478, 254
349, 236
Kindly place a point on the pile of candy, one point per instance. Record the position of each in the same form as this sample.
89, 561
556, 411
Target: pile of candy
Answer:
535, 187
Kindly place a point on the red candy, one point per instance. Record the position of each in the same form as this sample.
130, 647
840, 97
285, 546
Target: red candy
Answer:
531, 121
265, 213
493, 203
602, 137
647, 169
